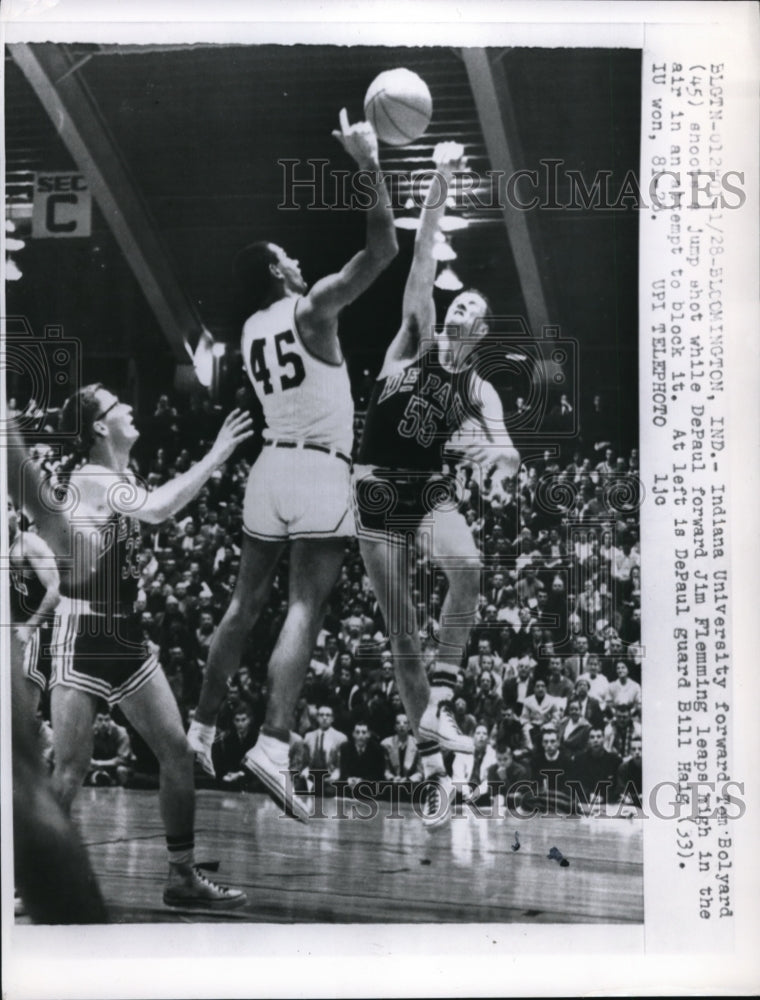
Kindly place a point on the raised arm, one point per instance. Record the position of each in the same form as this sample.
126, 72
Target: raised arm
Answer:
72, 531
418, 311
331, 294
156, 506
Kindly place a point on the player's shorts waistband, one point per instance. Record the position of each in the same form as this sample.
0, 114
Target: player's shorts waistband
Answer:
309, 446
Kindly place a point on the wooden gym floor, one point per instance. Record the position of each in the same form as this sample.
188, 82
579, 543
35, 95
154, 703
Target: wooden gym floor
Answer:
381, 870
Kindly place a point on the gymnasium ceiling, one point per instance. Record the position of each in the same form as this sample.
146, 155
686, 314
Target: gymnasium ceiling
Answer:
198, 132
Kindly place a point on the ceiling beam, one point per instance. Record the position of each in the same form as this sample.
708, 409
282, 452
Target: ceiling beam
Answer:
51, 71
498, 122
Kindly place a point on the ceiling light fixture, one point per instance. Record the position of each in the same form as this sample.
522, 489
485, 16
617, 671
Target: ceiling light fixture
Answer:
451, 223
447, 281
442, 249
406, 222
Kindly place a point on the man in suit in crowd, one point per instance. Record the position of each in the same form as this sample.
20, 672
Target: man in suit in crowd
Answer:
322, 746
591, 710
387, 683
496, 593
628, 778
576, 664
111, 762
550, 766
516, 689
501, 778
360, 759
469, 770
540, 709
228, 751
332, 653
596, 768
509, 731
620, 731
402, 761
521, 642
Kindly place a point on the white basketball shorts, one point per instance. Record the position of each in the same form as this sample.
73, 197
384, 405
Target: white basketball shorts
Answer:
298, 492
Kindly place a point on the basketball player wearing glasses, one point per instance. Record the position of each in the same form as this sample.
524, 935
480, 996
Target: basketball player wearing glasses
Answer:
91, 519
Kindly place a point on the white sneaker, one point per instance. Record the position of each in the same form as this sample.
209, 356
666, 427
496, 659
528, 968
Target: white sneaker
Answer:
277, 780
201, 740
438, 723
436, 801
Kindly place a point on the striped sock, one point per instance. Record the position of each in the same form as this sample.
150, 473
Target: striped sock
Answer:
443, 682
181, 849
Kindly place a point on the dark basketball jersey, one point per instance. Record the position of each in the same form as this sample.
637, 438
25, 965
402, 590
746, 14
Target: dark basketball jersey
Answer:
114, 584
26, 591
412, 414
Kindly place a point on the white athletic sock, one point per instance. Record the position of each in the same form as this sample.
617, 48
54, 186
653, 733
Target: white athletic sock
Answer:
278, 750
206, 734
439, 693
432, 764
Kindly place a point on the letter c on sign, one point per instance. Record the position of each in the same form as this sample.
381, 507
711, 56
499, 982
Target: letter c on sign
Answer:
50, 221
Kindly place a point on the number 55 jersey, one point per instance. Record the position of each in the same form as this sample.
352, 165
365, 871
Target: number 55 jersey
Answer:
412, 414
300, 484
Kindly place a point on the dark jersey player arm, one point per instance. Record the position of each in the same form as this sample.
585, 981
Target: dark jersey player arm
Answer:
418, 310
42, 561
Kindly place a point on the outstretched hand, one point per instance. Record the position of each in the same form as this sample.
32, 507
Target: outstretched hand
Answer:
449, 156
480, 455
359, 141
489, 457
238, 427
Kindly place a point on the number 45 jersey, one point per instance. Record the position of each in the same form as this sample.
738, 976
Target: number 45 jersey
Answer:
303, 397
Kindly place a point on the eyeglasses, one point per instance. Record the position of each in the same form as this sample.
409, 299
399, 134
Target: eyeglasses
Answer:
107, 410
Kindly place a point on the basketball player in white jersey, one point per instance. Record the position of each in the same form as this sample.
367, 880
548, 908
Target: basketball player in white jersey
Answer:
298, 493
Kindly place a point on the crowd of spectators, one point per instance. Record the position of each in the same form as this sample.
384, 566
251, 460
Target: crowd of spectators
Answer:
552, 670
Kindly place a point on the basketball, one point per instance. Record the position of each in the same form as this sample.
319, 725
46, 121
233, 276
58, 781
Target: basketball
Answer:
398, 106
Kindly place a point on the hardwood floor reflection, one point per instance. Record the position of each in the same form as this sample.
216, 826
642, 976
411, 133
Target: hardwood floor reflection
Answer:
337, 870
